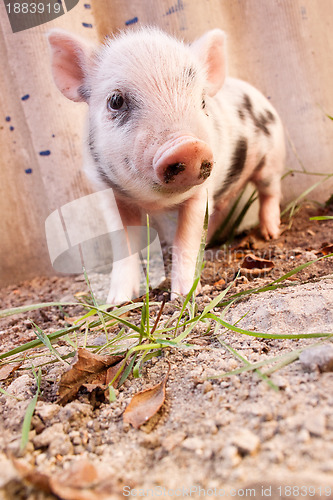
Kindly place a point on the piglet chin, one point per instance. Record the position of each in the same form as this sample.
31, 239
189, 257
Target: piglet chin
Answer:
183, 162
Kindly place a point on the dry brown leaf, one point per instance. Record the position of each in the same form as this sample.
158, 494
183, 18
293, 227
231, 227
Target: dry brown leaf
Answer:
32, 476
325, 250
82, 481
112, 372
7, 370
88, 368
256, 265
145, 404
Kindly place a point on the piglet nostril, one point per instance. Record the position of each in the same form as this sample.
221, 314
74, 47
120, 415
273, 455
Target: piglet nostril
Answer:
172, 170
205, 169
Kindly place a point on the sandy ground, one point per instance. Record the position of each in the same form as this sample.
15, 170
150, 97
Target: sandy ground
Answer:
227, 437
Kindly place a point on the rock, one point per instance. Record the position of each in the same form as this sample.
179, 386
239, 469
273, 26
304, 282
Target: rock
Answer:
173, 440
193, 444
303, 436
246, 442
319, 357
46, 411
8, 472
61, 445
231, 456
75, 410
207, 386
315, 423
21, 386
48, 435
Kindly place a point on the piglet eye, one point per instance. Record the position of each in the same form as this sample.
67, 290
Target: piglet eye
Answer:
115, 101
203, 102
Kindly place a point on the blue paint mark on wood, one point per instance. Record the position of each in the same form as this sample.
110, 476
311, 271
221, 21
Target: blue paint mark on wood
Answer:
8, 118
175, 8
25, 97
87, 25
47, 152
28, 170
11, 128
131, 21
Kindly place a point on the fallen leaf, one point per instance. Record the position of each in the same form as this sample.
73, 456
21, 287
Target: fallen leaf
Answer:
82, 481
220, 282
325, 250
256, 265
38, 479
88, 368
112, 372
145, 404
7, 370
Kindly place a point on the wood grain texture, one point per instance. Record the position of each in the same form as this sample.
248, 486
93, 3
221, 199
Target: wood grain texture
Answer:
283, 47
33, 185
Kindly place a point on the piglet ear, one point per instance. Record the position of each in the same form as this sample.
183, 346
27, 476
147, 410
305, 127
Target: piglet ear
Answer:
70, 60
210, 49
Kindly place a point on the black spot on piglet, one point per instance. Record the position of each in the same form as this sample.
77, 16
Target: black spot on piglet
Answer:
236, 167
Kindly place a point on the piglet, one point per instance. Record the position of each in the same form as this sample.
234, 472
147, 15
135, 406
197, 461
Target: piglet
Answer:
168, 129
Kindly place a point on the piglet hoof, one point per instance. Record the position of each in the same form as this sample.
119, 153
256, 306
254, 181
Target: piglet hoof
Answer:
270, 231
125, 281
184, 290
270, 217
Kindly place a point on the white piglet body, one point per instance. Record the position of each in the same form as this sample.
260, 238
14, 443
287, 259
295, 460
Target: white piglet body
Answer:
167, 129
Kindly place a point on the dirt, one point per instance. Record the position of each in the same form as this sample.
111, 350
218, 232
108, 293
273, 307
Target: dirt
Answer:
234, 436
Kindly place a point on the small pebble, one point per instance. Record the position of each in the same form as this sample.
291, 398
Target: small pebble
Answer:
246, 442
231, 456
193, 444
303, 436
173, 440
319, 357
61, 445
315, 423
48, 435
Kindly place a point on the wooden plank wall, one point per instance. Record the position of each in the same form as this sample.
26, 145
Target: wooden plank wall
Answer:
284, 47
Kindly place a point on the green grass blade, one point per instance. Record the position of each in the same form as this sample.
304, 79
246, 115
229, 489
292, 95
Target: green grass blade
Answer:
322, 217
201, 253
30, 411
33, 307
46, 341
5, 393
37, 343
268, 335
127, 370
274, 284
291, 206
241, 216
261, 375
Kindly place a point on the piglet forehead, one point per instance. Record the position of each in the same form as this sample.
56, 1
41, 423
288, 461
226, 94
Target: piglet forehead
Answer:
148, 59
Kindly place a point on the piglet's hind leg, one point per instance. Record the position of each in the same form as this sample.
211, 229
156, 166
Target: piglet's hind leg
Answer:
268, 182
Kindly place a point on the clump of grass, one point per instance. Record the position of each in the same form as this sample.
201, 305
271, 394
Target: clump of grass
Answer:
140, 341
30, 409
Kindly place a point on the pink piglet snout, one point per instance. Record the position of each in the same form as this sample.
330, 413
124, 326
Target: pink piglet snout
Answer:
183, 162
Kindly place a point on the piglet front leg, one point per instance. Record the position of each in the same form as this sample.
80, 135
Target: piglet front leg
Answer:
125, 275
187, 243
